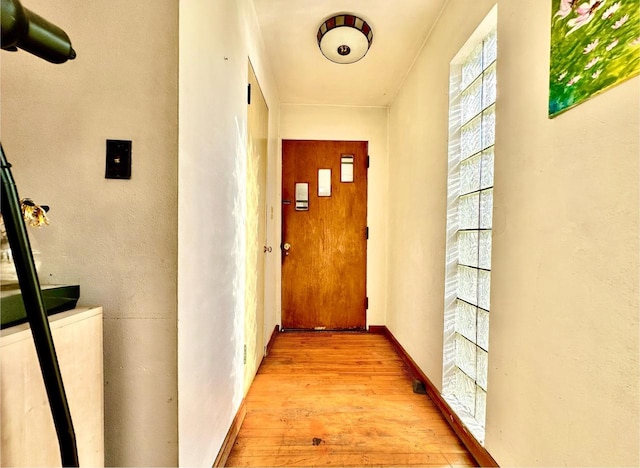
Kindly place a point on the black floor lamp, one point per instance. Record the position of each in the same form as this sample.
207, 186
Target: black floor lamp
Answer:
23, 29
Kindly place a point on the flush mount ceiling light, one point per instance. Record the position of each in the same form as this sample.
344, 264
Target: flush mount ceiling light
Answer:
345, 38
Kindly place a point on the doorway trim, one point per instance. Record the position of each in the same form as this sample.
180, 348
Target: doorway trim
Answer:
338, 217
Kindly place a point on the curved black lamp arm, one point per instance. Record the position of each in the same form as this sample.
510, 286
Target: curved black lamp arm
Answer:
37, 314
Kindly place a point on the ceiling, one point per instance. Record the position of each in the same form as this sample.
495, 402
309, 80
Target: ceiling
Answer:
304, 76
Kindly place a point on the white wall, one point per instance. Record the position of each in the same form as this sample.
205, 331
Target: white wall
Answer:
299, 122
563, 377
563, 361
116, 238
216, 40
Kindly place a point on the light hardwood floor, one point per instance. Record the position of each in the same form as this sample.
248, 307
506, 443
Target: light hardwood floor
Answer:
340, 399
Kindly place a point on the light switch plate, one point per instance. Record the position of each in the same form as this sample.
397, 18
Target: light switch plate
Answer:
118, 163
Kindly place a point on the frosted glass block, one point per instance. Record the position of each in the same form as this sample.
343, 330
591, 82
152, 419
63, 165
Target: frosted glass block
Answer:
472, 67
489, 127
466, 320
484, 289
486, 209
466, 355
483, 329
471, 99
470, 175
468, 284
471, 138
468, 248
489, 86
487, 169
482, 367
484, 250
490, 48
468, 211
481, 406
465, 391
449, 382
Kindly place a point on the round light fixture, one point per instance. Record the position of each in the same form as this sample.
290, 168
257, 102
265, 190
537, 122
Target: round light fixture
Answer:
345, 38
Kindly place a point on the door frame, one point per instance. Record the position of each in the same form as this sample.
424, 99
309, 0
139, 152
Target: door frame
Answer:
282, 240
255, 299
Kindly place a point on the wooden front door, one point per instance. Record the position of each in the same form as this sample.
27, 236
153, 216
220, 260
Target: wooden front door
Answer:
324, 237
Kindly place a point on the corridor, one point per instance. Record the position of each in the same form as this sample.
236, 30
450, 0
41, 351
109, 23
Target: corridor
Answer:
340, 399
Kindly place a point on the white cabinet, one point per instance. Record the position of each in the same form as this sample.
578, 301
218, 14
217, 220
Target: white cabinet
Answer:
26, 425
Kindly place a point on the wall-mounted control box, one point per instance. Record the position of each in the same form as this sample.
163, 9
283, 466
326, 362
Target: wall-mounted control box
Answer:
118, 165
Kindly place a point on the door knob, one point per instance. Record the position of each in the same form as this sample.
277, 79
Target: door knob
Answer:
286, 247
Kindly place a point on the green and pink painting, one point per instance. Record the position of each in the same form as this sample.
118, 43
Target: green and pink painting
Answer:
595, 45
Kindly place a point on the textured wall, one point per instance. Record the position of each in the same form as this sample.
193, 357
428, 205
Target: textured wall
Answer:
216, 40
563, 376
563, 359
117, 239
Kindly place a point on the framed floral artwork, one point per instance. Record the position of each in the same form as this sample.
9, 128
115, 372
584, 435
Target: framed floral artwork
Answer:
595, 44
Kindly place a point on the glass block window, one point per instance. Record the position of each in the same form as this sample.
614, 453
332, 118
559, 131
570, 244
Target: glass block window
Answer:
469, 223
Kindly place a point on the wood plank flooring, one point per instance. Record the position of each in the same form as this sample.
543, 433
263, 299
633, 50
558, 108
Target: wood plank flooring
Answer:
340, 399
